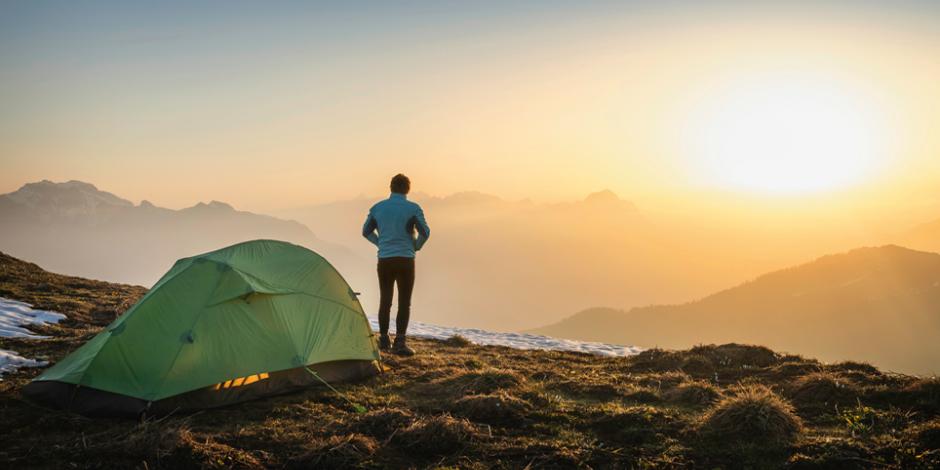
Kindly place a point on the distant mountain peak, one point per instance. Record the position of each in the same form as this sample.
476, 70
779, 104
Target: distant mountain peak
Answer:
71, 198
47, 185
603, 196
220, 205
214, 206
607, 198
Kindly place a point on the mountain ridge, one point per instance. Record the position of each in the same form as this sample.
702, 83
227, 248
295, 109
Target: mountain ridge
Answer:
76, 227
877, 304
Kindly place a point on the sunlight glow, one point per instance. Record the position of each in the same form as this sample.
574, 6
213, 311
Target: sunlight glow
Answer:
786, 135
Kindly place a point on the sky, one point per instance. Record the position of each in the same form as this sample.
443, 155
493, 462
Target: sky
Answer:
674, 105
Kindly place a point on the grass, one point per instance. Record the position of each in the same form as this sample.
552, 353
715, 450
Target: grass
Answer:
752, 414
459, 405
695, 393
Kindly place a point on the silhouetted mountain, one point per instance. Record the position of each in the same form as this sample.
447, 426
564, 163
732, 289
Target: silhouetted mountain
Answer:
880, 305
74, 227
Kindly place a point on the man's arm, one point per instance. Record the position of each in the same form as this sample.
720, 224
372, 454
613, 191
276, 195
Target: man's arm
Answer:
421, 225
368, 229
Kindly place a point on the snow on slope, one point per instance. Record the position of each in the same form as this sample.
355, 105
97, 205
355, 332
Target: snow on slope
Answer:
512, 340
10, 361
14, 317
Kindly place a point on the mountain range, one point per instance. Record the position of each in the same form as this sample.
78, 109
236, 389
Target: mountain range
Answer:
880, 305
491, 263
74, 227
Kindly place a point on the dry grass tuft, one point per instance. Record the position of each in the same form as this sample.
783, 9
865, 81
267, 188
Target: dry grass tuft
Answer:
499, 407
698, 365
338, 451
925, 393
437, 435
788, 370
458, 341
636, 425
384, 422
833, 453
642, 395
822, 389
854, 366
696, 393
737, 356
927, 435
655, 360
191, 451
663, 380
754, 414
486, 381
173, 444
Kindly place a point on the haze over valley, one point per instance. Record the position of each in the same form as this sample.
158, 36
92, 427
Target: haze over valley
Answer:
513, 265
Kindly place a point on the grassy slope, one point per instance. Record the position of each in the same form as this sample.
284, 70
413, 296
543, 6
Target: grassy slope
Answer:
467, 406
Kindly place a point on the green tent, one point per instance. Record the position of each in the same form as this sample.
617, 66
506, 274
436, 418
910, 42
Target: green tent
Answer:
254, 319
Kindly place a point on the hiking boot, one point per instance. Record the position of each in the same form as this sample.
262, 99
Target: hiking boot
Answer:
401, 348
385, 343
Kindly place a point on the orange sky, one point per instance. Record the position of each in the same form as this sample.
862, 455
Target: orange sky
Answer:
677, 107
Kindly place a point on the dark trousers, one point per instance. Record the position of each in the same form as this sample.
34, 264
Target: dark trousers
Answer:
401, 271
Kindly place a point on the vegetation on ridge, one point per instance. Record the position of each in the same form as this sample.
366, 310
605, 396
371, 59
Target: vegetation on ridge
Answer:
460, 405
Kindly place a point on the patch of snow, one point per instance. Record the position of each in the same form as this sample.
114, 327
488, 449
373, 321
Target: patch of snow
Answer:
10, 361
15, 316
513, 340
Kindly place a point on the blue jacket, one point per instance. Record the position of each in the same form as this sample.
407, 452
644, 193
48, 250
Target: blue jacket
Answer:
396, 219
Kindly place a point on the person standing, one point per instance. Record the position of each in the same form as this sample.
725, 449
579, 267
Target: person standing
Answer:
397, 227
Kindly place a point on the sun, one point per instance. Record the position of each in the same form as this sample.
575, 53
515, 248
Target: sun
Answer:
785, 135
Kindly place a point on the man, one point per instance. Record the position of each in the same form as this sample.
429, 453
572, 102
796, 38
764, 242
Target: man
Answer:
396, 220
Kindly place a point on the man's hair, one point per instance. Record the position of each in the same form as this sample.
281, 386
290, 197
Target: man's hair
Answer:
400, 184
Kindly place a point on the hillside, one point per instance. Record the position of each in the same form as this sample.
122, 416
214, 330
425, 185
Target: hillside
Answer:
460, 405
75, 227
880, 305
